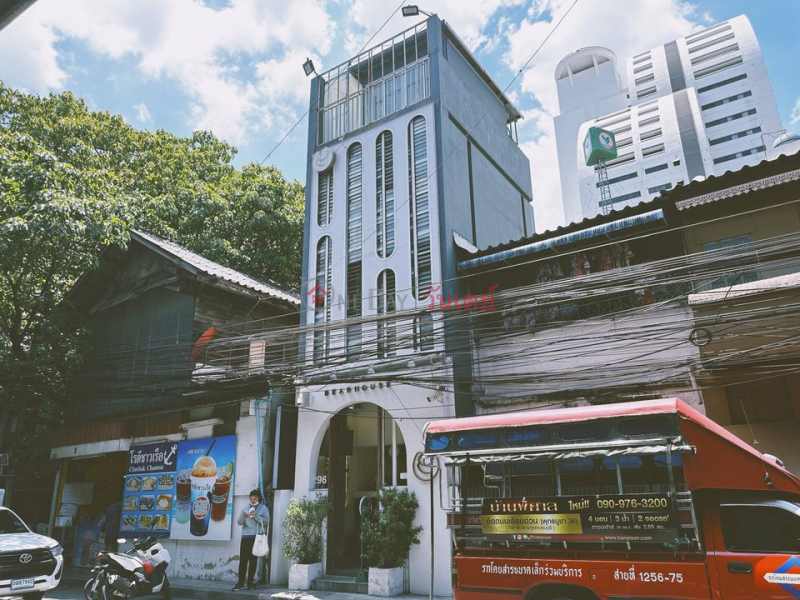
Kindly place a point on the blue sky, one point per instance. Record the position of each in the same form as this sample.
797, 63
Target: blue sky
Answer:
234, 66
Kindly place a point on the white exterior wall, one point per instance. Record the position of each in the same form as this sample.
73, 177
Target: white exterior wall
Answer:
715, 157
219, 561
411, 409
372, 264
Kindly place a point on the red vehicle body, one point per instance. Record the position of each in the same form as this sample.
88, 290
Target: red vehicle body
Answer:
623, 501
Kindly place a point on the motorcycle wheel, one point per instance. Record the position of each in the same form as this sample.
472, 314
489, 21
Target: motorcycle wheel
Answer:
97, 594
166, 593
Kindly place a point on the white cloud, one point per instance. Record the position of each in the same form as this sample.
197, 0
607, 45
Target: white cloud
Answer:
625, 26
468, 19
30, 60
189, 43
794, 116
143, 114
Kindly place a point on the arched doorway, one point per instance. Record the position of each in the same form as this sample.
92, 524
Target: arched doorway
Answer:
363, 450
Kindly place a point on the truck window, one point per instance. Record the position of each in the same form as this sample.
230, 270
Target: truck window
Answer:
765, 528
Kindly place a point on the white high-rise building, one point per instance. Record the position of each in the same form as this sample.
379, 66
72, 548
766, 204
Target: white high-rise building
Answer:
697, 106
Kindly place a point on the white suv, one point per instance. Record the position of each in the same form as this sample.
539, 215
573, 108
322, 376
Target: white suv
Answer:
30, 564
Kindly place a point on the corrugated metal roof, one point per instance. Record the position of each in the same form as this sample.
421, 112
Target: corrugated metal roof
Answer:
213, 269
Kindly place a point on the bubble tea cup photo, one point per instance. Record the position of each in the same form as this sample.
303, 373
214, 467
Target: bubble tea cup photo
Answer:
203, 478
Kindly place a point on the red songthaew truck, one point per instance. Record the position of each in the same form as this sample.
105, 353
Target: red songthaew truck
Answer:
622, 501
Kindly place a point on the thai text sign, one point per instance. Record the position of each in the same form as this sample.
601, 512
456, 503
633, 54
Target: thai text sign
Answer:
152, 458
623, 518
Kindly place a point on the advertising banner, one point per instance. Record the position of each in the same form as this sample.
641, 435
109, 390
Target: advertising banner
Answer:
149, 490
87, 546
623, 518
203, 507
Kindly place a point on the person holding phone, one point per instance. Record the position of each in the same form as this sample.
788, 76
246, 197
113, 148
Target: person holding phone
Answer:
253, 518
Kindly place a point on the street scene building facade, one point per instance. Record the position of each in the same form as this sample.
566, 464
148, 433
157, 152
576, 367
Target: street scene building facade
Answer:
435, 332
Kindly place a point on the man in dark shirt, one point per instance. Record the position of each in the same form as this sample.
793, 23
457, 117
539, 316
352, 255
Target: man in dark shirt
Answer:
111, 526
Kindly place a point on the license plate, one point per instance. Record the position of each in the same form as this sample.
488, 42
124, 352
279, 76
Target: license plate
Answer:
21, 584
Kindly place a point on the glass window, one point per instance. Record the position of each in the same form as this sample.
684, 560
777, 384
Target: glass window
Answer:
584, 431
576, 465
437, 443
423, 332
384, 189
387, 333
643, 426
626, 463
354, 264
9, 523
325, 198
476, 439
420, 209
322, 300
534, 467
525, 436
761, 528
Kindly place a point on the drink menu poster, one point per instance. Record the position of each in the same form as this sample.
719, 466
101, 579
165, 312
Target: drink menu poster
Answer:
149, 490
203, 503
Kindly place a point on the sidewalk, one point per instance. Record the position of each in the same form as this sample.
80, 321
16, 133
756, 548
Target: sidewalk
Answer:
202, 589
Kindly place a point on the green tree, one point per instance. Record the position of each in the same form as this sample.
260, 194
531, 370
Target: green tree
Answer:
73, 181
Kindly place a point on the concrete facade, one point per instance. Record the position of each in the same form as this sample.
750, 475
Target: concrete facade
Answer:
410, 143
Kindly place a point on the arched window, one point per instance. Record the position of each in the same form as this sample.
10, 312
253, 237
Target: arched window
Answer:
420, 208
325, 198
354, 260
322, 300
384, 187
387, 327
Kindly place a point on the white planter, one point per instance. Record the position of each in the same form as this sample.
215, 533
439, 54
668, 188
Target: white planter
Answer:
385, 582
301, 576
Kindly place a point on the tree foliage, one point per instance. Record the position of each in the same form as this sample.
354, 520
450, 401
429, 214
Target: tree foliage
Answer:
73, 181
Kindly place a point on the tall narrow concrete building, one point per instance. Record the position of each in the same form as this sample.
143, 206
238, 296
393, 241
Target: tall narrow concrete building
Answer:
411, 150
697, 106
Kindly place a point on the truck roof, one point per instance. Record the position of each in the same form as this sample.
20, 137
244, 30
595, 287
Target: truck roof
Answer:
711, 467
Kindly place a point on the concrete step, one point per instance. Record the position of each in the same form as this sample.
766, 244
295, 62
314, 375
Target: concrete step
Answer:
339, 583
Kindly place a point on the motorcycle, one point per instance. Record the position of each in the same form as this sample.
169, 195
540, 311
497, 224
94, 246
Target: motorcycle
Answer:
140, 571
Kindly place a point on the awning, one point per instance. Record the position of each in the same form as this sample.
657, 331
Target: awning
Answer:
561, 240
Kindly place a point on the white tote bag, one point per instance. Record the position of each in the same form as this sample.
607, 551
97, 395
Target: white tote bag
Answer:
261, 545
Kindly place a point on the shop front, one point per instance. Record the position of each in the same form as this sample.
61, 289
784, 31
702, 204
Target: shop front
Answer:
186, 487
354, 440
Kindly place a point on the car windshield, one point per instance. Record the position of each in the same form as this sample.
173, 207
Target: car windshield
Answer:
10, 523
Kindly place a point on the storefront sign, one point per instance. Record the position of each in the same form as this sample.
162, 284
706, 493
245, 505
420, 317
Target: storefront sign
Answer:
623, 518
203, 507
152, 458
149, 490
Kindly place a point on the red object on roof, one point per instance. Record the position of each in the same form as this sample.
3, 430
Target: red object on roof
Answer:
722, 460
203, 341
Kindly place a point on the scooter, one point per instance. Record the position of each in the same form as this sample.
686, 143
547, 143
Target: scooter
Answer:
140, 571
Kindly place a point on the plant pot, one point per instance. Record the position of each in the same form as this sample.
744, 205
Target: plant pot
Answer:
385, 582
301, 576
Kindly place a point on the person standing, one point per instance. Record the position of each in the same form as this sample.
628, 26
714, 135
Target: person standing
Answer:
111, 526
253, 518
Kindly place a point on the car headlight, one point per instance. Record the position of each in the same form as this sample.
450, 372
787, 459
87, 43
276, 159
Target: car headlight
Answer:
56, 550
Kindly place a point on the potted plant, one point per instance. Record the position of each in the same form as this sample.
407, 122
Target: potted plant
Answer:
304, 543
387, 538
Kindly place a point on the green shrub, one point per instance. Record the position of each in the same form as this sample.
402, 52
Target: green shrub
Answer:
303, 529
389, 535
